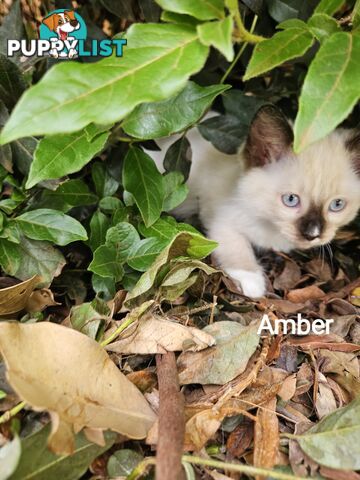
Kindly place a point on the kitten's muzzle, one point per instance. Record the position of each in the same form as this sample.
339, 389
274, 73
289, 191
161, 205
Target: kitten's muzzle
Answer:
311, 225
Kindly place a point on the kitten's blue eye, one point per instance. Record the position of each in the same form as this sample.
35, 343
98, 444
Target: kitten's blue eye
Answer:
337, 205
290, 199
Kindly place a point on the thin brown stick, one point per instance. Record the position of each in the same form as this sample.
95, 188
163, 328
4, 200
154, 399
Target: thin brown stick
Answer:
171, 420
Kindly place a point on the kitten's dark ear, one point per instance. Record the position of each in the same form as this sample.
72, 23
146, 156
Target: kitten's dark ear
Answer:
270, 137
352, 144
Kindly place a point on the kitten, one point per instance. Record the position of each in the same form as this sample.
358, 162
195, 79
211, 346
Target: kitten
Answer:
266, 196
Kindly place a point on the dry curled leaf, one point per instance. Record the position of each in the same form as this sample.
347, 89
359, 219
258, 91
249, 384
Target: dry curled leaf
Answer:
155, 334
60, 370
307, 293
14, 299
266, 436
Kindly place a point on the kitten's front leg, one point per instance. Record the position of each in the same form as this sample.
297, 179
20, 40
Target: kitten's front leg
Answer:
236, 257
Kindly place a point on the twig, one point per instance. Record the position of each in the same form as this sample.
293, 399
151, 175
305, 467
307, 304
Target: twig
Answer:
253, 471
5, 417
171, 420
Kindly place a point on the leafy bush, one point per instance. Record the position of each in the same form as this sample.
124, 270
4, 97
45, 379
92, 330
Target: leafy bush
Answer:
74, 170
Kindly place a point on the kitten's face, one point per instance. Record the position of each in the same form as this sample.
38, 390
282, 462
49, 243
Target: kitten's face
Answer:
306, 197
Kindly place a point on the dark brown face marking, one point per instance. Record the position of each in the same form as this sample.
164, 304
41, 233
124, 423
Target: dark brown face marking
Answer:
270, 137
353, 146
311, 225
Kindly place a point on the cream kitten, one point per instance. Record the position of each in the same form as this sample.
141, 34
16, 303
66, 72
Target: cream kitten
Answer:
267, 196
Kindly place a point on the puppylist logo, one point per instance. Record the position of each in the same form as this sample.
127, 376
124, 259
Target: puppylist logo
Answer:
62, 35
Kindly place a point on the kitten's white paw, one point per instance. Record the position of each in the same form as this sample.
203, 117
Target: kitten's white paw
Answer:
252, 283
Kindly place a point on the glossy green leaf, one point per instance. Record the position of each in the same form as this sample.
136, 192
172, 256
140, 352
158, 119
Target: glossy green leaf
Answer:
329, 6
51, 225
38, 463
225, 132
280, 48
218, 34
73, 193
178, 157
106, 264
322, 26
108, 258
175, 190
143, 180
330, 90
202, 9
122, 462
356, 14
99, 225
292, 23
23, 153
87, 317
334, 441
144, 253
12, 84
104, 287
105, 184
160, 119
181, 18
32, 257
183, 244
59, 155
165, 229
152, 53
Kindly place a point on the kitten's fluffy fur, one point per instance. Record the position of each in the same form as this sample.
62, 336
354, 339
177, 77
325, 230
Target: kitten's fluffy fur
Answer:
239, 197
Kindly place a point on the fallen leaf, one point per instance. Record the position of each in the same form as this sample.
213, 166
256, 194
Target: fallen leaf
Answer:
325, 401
155, 334
13, 299
37, 462
240, 439
334, 441
235, 344
355, 297
288, 388
338, 362
58, 369
39, 300
301, 295
266, 436
301, 464
289, 277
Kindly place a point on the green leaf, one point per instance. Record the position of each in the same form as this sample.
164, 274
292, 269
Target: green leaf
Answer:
122, 462
280, 48
105, 263
160, 119
329, 6
203, 10
356, 14
59, 155
175, 190
36, 258
23, 152
178, 157
143, 180
172, 17
322, 26
330, 89
9, 457
12, 84
104, 287
228, 358
144, 253
334, 441
160, 56
38, 463
105, 184
165, 229
225, 132
99, 225
108, 258
292, 23
10, 257
110, 204
218, 34
73, 193
183, 244
12, 27
51, 225
87, 317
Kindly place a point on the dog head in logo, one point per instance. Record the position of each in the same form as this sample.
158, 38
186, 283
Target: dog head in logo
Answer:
62, 23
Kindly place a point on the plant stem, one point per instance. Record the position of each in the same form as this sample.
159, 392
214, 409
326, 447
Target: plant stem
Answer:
238, 55
5, 417
117, 332
253, 471
141, 469
242, 34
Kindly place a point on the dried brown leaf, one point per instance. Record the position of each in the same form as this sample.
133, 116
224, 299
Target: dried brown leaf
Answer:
301, 295
13, 299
